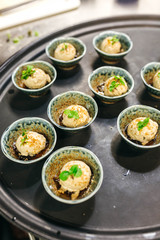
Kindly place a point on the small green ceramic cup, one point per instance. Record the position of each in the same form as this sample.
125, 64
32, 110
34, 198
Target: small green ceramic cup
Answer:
94, 80
36, 124
135, 111
70, 64
56, 162
45, 66
59, 103
147, 74
124, 39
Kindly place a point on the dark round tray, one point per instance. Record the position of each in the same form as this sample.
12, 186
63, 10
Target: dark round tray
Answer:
127, 205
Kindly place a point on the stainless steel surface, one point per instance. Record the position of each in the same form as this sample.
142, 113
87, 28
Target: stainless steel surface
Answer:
89, 10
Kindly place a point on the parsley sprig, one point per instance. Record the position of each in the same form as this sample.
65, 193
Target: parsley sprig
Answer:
65, 47
115, 84
74, 171
159, 75
71, 113
142, 124
28, 72
114, 39
24, 135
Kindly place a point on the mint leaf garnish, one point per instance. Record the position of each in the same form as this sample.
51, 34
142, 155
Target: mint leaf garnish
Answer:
74, 170
78, 173
71, 113
64, 175
142, 124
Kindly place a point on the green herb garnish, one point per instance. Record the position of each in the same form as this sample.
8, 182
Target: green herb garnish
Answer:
142, 124
114, 39
159, 75
65, 47
29, 33
74, 170
36, 34
115, 84
71, 113
120, 79
24, 135
28, 72
8, 37
16, 40
64, 175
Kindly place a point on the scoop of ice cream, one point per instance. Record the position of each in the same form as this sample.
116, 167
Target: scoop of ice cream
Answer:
146, 134
108, 46
37, 80
34, 143
156, 80
76, 184
65, 52
115, 87
73, 122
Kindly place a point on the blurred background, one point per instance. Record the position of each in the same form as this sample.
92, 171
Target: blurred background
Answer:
34, 19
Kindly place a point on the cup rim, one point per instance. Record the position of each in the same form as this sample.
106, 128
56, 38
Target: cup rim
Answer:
38, 89
76, 201
9, 128
67, 128
112, 32
125, 138
108, 97
67, 38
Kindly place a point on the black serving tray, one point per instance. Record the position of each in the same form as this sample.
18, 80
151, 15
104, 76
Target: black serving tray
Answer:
128, 204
